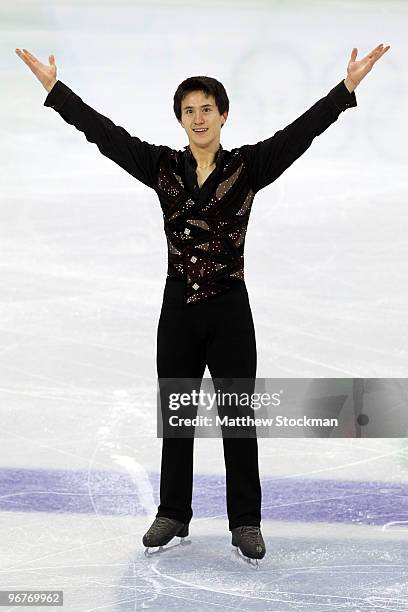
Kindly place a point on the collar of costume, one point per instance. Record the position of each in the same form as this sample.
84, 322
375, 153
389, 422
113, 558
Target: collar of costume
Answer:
192, 160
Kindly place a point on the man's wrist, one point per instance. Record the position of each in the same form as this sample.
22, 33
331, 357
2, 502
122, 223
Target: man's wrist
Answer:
49, 86
349, 84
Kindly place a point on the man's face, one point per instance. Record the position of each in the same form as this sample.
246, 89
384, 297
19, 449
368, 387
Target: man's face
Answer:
200, 111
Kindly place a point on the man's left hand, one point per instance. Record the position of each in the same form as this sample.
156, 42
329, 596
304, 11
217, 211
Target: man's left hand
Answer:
357, 70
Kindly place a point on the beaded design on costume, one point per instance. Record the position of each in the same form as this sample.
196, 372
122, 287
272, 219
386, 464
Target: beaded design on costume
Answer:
205, 239
227, 184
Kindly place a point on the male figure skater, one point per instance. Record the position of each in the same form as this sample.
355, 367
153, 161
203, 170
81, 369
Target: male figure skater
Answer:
206, 195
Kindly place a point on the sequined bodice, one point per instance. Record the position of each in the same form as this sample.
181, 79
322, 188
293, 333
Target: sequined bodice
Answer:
205, 239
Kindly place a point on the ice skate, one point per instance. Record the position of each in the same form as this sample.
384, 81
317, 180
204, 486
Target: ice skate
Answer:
249, 543
160, 533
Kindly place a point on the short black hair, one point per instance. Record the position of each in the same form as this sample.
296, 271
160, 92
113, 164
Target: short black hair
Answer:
208, 85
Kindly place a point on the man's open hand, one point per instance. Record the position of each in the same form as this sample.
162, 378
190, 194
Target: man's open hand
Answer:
357, 70
47, 75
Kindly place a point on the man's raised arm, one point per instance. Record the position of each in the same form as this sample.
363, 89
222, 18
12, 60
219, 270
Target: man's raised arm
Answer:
138, 158
267, 159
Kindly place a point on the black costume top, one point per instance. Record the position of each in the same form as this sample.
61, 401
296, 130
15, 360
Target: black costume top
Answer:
205, 227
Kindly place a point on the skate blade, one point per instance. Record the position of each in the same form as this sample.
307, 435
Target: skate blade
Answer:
151, 551
253, 563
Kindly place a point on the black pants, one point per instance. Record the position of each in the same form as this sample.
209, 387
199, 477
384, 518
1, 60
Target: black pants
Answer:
217, 332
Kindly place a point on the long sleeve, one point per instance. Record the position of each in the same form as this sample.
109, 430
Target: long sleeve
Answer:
137, 157
267, 159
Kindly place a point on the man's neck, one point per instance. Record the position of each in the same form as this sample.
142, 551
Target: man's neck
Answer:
205, 158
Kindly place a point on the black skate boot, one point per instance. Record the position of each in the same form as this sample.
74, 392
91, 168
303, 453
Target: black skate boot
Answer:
163, 530
248, 539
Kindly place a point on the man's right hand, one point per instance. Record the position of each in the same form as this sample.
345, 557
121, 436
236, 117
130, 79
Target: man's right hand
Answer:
47, 75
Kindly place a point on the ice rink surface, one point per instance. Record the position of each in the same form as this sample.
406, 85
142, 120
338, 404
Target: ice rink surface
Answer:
83, 264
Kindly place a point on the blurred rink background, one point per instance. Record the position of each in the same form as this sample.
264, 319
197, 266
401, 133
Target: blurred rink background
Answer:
83, 265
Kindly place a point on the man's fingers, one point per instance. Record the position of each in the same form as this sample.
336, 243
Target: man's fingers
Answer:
30, 55
374, 52
25, 59
20, 53
374, 55
379, 54
378, 51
